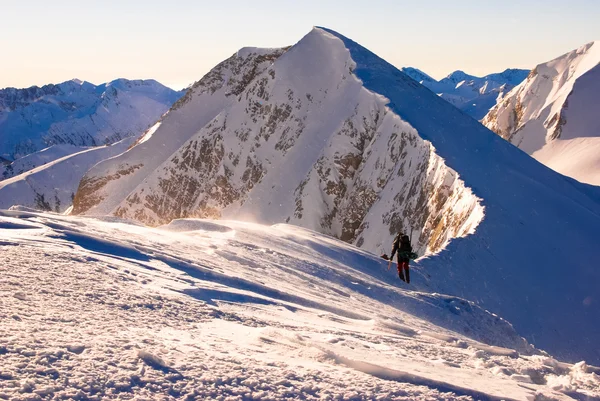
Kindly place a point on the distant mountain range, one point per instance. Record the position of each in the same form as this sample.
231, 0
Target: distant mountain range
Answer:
473, 95
51, 136
78, 113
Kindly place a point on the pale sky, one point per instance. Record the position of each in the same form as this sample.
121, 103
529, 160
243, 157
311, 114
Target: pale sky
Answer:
176, 42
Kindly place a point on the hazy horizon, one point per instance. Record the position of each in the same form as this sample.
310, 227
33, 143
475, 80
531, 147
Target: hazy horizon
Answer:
177, 44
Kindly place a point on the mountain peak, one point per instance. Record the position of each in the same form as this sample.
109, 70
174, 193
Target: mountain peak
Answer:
457, 77
557, 101
512, 76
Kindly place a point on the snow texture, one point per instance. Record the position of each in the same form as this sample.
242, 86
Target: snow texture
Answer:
102, 308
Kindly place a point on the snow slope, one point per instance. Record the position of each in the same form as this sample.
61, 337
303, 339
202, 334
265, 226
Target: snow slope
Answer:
473, 95
106, 309
558, 101
578, 158
332, 138
78, 113
52, 186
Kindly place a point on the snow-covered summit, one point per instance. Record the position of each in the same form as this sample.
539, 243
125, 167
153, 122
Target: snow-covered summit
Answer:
550, 113
456, 77
78, 113
512, 76
296, 125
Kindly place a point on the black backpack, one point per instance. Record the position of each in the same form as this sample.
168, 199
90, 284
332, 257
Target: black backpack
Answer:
405, 244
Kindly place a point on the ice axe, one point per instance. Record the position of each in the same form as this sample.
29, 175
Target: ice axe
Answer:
386, 257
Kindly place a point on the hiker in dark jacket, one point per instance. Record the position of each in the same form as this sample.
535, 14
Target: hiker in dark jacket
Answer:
404, 249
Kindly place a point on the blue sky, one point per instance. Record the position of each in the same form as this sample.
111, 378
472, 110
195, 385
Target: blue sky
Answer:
176, 42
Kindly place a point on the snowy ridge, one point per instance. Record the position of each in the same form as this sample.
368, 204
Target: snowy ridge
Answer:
52, 185
417, 75
220, 309
556, 103
78, 113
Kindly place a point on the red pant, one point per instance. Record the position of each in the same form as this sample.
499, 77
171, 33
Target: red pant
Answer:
403, 268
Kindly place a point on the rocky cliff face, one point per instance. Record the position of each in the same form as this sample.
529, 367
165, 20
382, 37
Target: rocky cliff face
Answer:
288, 135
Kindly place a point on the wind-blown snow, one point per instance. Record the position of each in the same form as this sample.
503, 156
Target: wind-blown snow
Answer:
106, 309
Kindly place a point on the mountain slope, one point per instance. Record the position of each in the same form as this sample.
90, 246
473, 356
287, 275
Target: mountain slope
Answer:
78, 113
228, 310
513, 264
36, 159
203, 102
556, 103
329, 137
52, 186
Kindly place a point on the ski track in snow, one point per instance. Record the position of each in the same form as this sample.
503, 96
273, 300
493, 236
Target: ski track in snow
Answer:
96, 308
